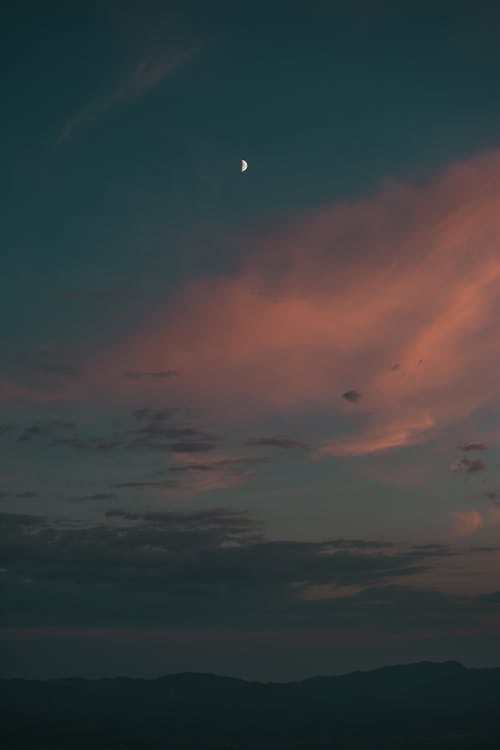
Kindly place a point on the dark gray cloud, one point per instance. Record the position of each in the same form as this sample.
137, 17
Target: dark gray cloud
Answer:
491, 495
192, 446
492, 597
147, 444
221, 463
19, 494
52, 427
236, 521
468, 466
155, 435
208, 567
472, 447
352, 396
44, 361
87, 444
31, 432
436, 550
158, 429
153, 415
98, 496
146, 485
276, 441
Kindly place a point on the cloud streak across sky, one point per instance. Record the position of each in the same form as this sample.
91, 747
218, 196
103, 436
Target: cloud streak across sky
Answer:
144, 76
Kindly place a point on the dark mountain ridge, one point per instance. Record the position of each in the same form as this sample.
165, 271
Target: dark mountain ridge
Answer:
424, 704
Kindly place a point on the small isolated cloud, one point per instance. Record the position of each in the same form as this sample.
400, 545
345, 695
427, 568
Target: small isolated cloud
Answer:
491, 495
468, 466
352, 396
276, 442
470, 521
466, 523
472, 447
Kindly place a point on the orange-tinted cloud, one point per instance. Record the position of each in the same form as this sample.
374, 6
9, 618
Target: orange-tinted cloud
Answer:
466, 523
411, 275
470, 521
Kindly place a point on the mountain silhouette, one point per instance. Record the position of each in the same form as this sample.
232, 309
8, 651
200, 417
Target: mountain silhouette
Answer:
427, 704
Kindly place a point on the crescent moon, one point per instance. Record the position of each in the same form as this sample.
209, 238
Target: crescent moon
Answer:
244, 165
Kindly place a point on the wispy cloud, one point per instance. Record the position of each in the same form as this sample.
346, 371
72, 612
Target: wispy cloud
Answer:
146, 75
276, 441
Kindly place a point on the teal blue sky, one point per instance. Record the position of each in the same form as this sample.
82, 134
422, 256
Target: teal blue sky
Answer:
242, 409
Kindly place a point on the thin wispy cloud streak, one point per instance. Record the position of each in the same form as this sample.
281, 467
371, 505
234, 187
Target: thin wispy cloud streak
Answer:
146, 75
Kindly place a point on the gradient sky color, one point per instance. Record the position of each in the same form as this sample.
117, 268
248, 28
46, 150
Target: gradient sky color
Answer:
250, 422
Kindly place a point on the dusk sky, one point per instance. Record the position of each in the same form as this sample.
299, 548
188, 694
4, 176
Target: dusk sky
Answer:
250, 421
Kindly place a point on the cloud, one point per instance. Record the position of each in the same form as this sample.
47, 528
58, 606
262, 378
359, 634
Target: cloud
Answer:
21, 495
491, 494
205, 473
410, 275
87, 444
276, 442
469, 522
44, 429
46, 360
152, 415
236, 521
146, 75
212, 566
466, 523
145, 485
468, 466
472, 447
352, 396
98, 496
194, 446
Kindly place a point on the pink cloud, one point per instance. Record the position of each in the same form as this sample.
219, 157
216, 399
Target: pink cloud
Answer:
410, 275
466, 523
471, 521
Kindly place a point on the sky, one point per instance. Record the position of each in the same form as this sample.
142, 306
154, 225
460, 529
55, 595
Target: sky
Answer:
249, 421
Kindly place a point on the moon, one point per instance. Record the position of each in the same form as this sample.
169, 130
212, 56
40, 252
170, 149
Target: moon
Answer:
244, 165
